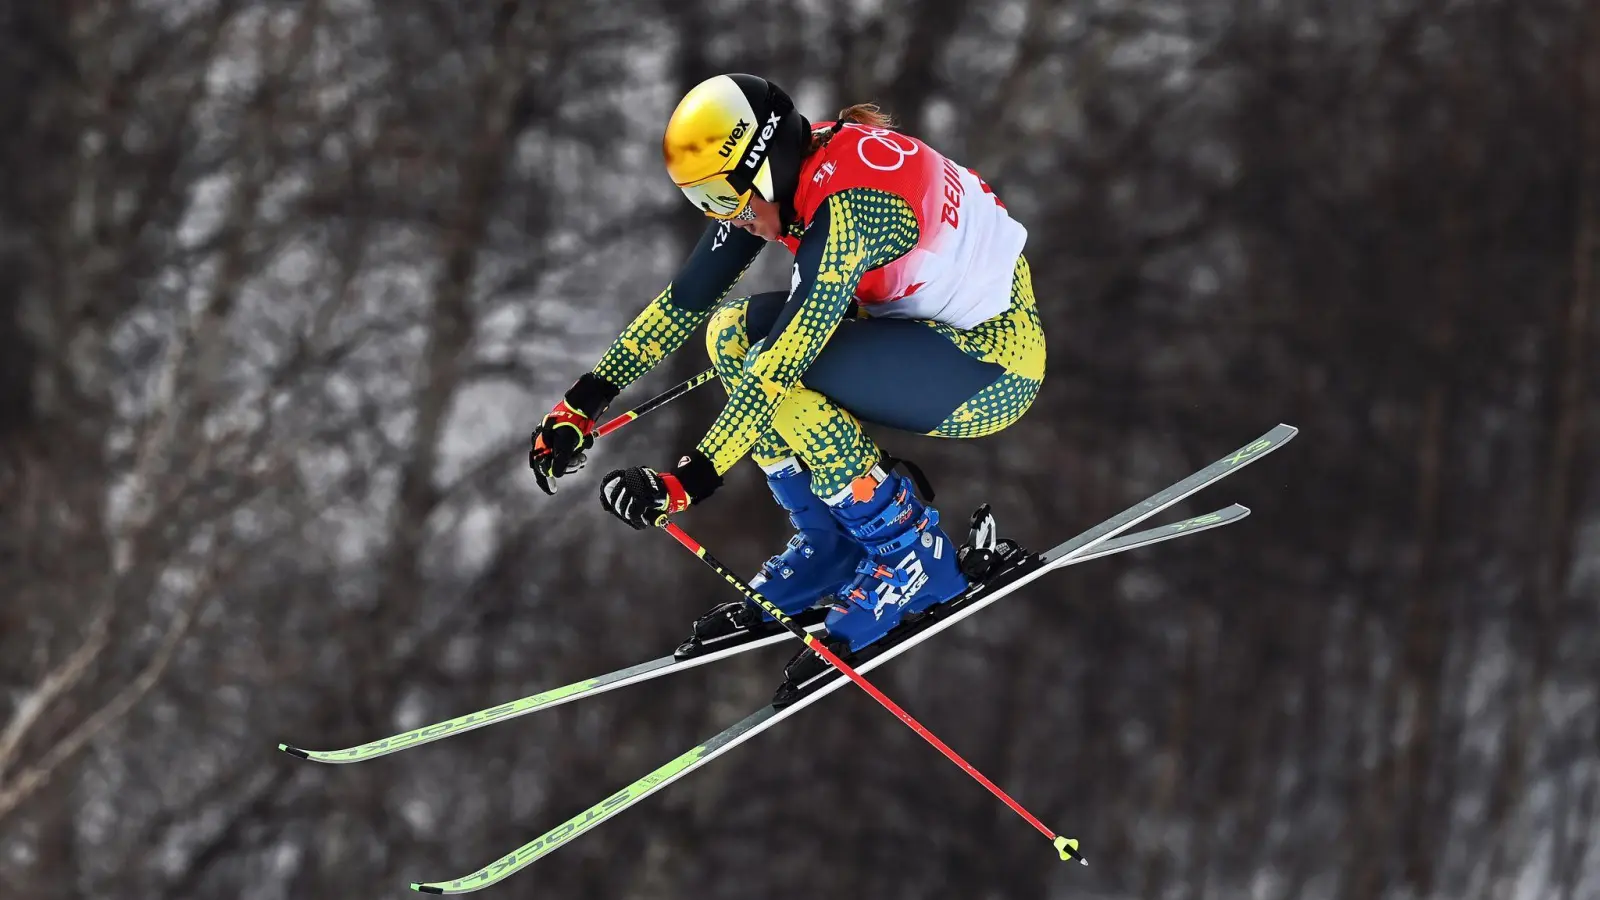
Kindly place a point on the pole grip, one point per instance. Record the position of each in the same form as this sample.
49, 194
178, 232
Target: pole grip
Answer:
649, 406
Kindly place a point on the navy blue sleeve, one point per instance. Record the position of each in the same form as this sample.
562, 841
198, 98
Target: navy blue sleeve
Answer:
718, 262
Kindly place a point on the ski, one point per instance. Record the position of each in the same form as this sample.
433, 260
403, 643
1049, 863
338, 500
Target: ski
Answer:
589, 687
771, 715
1078, 549
668, 665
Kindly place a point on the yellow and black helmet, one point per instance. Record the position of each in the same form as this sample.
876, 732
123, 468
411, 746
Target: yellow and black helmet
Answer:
733, 134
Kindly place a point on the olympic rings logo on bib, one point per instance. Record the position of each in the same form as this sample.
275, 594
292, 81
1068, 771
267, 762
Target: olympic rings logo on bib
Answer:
880, 137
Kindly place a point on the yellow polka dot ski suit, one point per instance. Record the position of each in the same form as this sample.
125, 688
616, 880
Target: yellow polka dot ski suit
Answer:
803, 369
825, 371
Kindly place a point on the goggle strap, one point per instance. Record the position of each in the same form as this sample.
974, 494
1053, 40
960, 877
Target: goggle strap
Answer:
743, 176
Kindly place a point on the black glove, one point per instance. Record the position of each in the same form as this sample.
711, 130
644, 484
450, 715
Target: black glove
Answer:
561, 439
643, 497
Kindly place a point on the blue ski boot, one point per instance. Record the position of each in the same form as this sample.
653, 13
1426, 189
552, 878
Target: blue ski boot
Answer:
911, 563
911, 567
821, 558
819, 562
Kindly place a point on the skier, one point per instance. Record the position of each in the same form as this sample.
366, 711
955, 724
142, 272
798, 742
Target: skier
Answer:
910, 305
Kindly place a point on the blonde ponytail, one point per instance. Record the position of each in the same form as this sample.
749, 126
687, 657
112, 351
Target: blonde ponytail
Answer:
866, 114
869, 114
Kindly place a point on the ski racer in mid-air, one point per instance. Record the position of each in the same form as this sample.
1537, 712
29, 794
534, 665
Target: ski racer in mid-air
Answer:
910, 306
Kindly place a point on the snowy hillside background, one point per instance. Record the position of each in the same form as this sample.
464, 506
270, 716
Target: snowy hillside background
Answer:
287, 284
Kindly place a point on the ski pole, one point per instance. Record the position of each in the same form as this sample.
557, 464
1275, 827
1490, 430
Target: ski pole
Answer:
654, 403
1068, 847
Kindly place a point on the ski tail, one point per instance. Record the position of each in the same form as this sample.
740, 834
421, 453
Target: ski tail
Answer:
554, 697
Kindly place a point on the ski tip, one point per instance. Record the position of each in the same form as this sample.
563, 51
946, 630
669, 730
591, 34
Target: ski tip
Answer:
294, 751
426, 888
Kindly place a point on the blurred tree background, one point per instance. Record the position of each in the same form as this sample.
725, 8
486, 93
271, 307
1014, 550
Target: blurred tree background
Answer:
286, 285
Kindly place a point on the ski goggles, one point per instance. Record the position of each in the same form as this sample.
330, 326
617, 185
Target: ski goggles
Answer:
720, 198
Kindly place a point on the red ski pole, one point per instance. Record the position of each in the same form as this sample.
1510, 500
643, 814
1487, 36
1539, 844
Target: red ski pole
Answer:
656, 402
1068, 847
651, 405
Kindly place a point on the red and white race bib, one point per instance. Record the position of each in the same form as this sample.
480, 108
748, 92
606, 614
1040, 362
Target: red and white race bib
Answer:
960, 271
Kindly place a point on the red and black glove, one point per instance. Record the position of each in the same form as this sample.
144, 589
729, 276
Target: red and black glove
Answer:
643, 497
561, 439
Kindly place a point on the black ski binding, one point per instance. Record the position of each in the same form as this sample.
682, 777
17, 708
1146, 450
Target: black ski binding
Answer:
736, 622
980, 554
805, 670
